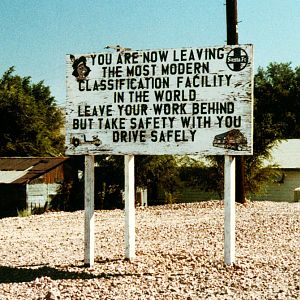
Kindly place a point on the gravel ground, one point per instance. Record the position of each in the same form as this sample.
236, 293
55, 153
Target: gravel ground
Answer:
179, 252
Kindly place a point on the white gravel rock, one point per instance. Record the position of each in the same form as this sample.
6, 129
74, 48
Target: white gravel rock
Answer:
179, 254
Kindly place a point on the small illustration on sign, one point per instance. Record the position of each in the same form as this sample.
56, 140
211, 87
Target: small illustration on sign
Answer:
232, 139
81, 139
237, 59
80, 69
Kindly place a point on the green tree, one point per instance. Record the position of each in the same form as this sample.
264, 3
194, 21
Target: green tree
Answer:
206, 175
159, 174
30, 121
109, 178
276, 117
277, 103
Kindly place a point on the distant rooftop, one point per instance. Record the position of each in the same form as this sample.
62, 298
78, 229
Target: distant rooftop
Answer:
24, 169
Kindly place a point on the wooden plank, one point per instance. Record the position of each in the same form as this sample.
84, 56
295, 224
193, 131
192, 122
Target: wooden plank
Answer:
89, 222
129, 207
229, 210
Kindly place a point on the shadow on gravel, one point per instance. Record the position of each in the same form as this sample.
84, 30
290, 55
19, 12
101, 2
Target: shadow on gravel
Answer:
18, 274
14, 274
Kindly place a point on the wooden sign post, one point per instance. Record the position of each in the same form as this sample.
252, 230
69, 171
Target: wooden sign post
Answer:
229, 210
129, 207
89, 222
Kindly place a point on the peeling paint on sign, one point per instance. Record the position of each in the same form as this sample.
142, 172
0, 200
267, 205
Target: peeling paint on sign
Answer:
166, 101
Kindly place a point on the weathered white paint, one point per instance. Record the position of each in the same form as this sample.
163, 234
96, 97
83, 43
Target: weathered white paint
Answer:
89, 222
229, 210
144, 198
39, 193
112, 111
129, 207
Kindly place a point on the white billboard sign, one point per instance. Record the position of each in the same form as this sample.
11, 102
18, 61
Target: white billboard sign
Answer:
166, 101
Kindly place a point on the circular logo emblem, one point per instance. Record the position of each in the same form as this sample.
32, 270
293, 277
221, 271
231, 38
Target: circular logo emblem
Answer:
237, 59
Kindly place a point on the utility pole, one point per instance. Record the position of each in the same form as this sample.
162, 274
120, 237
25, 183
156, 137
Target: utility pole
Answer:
233, 39
231, 17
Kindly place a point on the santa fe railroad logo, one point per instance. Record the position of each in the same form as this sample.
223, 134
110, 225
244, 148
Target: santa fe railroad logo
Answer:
237, 59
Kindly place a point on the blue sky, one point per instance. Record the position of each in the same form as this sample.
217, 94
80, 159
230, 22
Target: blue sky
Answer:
37, 34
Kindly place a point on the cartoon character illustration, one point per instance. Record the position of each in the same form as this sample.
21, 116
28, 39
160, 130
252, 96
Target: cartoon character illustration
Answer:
232, 139
80, 69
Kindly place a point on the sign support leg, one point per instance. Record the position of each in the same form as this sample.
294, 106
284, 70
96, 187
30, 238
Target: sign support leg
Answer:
129, 208
89, 222
229, 210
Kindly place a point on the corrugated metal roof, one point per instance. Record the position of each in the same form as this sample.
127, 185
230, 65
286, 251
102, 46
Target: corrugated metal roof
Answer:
11, 176
287, 154
24, 169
